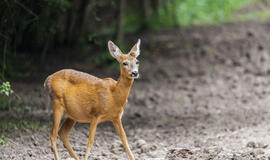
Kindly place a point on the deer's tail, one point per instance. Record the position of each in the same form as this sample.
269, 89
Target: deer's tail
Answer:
47, 87
47, 84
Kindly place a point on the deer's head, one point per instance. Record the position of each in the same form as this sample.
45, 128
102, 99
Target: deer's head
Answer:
128, 62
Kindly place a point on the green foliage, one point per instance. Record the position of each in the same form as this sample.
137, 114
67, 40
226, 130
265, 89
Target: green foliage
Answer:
8, 69
26, 26
133, 21
5, 89
263, 14
5, 92
174, 13
190, 12
30, 17
101, 60
31, 25
4, 102
194, 12
164, 17
14, 124
45, 26
207, 11
3, 139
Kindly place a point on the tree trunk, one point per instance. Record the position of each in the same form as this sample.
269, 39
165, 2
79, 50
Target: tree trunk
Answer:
120, 24
71, 19
88, 10
74, 20
174, 13
79, 20
146, 13
155, 4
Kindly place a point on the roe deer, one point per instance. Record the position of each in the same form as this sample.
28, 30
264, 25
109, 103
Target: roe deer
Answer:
87, 99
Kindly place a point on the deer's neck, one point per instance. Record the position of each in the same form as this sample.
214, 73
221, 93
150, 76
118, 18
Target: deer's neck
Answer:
122, 89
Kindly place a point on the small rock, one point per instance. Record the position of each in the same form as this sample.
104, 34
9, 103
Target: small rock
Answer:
179, 153
103, 154
153, 154
145, 148
261, 145
29, 153
153, 147
251, 144
260, 47
184, 153
140, 143
259, 152
138, 115
250, 34
236, 157
117, 147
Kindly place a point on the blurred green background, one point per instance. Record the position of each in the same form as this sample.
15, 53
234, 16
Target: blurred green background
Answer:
33, 29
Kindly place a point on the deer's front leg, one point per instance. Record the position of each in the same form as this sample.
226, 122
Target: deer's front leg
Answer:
92, 132
120, 130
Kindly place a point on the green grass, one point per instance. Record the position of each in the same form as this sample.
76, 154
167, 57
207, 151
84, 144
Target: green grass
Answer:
14, 124
210, 11
4, 102
3, 139
185, 13
258, 15
197, 12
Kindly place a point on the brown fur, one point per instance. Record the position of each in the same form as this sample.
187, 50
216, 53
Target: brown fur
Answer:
85, 98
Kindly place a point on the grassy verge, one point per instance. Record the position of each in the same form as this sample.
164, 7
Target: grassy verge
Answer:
3, 139
10, 125
194, 12
13, 124
257, 15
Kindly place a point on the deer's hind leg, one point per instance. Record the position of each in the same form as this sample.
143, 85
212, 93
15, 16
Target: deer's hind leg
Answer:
64, 136
57, 116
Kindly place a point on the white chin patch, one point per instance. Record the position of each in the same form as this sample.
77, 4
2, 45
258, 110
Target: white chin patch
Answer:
136, 77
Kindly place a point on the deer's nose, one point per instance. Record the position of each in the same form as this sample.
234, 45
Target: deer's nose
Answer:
134, 74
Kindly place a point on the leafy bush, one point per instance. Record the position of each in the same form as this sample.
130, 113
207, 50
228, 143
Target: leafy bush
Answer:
192, 12
36, 25
5, 92
26, 26
207, 11
3, 139
6, 89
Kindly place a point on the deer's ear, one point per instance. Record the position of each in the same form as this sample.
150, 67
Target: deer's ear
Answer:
114, 50
136, 48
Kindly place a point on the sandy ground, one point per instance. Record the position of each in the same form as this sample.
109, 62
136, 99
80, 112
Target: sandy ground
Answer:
203, 94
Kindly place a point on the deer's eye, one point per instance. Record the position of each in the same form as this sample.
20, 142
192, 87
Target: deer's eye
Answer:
125, 63
137, 62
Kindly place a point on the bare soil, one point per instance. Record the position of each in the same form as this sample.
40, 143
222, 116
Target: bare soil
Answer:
203, 94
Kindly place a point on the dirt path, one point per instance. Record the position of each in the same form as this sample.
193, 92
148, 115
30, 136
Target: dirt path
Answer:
204, 94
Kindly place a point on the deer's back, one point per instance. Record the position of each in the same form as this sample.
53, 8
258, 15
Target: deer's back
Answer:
80, 93
61, 81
